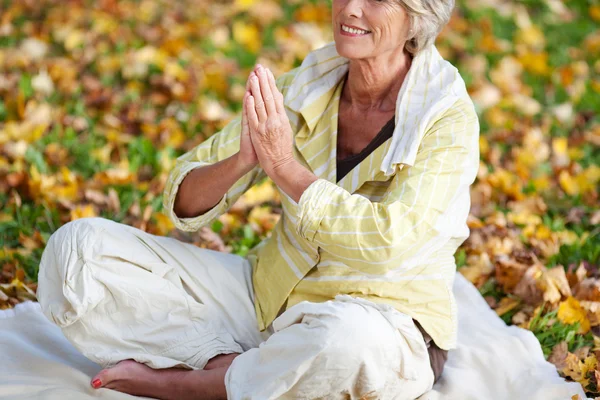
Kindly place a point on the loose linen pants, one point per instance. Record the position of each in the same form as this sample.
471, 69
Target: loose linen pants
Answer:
119, 293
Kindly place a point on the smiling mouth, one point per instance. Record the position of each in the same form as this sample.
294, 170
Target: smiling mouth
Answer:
354, 31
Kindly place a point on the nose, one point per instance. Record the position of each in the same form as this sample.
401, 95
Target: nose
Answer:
353, 8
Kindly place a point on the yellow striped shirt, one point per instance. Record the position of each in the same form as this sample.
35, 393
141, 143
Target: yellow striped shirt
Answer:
389, 229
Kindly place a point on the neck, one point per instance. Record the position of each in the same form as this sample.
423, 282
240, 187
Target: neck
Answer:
373, 84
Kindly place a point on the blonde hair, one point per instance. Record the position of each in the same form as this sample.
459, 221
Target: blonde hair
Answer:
427, 19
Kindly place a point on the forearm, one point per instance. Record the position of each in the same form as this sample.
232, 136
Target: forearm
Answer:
203, 187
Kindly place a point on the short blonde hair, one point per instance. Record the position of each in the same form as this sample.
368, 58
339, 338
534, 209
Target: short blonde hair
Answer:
427, 19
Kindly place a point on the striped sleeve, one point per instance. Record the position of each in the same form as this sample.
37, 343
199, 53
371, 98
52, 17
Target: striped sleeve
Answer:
425, 205
219, 146
216, 148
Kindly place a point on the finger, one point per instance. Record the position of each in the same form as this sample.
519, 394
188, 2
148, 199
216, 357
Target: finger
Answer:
277, 96
251, 113
245, 115
265, 88
259, 104
249, 81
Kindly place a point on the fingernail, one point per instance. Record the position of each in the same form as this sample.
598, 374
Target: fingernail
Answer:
258, 66
96, 383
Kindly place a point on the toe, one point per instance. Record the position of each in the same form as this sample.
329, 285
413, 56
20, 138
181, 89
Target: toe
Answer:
96, 383
104, 377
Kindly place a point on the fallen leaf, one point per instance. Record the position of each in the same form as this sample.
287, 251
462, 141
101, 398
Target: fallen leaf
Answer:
508, 273
570, 312
83, 211
506, 304
558, 356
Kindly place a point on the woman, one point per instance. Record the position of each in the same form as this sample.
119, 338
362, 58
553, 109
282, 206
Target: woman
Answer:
372, 143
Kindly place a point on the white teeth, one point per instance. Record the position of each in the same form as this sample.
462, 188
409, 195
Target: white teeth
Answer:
354, 31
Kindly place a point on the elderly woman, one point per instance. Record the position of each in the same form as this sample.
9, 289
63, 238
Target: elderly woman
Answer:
373, 144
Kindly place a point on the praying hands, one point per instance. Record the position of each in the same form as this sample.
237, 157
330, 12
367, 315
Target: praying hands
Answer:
267, 137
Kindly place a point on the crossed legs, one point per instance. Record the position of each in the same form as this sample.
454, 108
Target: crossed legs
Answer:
172, 321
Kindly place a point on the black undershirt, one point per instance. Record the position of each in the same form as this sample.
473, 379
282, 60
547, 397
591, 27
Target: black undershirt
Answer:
347, 164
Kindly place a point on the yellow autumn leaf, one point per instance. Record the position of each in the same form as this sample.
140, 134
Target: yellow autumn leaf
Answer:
506, 304
536, 63
531, 36
595, 12
478, 268
570, 312
86, 211
484, 146
524, 217
568, 183
173, 69
74, 39
590, 363
575, 153
261, 193
102, 154
263, 218
543, 232
310, 12
524, 162
554, 284
216, 80
560, 152
104, 23
163, 225
244, 5
247, 34
573, 369
541, 183
592, 174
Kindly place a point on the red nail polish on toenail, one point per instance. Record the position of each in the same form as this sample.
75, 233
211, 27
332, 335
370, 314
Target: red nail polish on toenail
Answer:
96, 383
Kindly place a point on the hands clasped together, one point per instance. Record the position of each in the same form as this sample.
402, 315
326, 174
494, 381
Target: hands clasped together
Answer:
267, 136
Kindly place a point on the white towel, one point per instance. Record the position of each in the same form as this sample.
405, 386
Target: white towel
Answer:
492, 362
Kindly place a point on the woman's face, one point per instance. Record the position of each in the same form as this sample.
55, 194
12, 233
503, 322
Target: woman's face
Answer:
368, 28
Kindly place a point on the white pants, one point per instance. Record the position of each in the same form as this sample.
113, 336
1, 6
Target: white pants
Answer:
119, 293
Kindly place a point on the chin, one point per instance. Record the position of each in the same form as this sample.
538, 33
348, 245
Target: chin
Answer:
350, 51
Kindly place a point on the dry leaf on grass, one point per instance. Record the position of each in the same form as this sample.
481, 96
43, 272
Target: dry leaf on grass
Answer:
570, 312
558, 356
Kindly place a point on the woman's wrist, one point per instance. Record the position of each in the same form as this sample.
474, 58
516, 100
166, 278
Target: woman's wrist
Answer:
242, 166
293, 178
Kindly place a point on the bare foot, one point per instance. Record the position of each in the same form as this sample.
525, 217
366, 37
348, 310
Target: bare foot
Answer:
131, 377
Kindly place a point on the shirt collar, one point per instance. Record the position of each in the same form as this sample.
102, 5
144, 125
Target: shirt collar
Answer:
431, 86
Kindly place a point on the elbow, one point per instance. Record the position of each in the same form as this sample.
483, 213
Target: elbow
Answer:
179, 209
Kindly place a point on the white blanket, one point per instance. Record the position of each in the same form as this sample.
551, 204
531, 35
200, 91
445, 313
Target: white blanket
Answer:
492, 361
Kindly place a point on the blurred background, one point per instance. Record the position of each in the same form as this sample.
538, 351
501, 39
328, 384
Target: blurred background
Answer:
98, 98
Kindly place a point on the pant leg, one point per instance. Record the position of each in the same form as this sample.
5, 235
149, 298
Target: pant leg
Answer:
120, 293
348, 348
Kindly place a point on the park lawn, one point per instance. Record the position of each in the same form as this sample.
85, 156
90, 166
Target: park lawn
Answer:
98, 98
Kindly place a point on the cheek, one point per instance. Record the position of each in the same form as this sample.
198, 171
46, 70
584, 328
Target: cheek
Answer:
392, 25
336, 6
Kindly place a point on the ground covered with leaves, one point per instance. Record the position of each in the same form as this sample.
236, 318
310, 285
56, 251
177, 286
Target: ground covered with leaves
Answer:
98, 98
